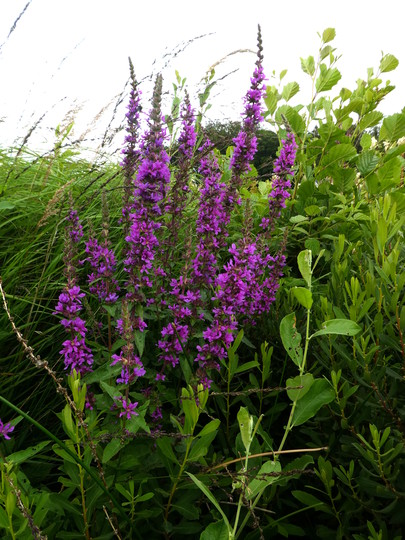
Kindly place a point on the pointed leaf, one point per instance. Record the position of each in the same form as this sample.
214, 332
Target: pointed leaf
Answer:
370, 119
304, 260
328, 35
388, 63
211, 497
304, 296
290, 90
319, 394
300, 380
393, 128
263, 478
343, 327
327, 79
291, 338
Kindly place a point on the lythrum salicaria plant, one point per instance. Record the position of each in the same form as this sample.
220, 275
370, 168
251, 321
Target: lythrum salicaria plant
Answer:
201, 345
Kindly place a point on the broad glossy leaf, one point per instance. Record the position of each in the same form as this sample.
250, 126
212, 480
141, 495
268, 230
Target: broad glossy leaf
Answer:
393, 128
300, 380
319, 394
304, 296
215, 531
343, 327
263, 478
388, 63
370, 119
290, 90
327, 79
328, 35
304, 260
291, 338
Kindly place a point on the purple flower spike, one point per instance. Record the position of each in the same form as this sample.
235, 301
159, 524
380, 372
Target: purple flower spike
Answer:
77, 355
131, 153
213, 217
246, 141
101, 280
5, 429
150, 193
283, 170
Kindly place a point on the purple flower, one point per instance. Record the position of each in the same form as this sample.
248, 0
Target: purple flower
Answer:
131, 364
246, 141
213, 218
76, 354
150, 192
283, 169
5, 429
128, 408
131, 153
101, 280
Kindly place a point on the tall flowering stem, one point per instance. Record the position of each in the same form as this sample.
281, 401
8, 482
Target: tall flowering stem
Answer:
246, 141
150, 192
130, 151
130, 362
75, 351
213, 218
282, 173
178, 193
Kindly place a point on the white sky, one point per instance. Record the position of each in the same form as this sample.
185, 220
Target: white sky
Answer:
73, 53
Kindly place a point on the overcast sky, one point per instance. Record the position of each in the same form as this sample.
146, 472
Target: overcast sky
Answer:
65, 55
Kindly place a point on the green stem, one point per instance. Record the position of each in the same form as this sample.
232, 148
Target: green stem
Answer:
182, 467
73, 455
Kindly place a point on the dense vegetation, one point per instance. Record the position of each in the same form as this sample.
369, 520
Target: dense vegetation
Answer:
231, 358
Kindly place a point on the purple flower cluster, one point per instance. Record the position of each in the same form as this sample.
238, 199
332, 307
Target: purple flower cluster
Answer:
213, 218
246, 141
101, 280
76, 353
150, 191
178, 193
128, 408
175, 335
131, 364
131, 153
283, 169
5, 429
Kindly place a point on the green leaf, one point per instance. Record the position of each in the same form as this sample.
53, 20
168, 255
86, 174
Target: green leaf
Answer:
291, 338
23, 455
327, 79
388, 63
365, 141
295, 120
165, 446
215, 531
308, 65
307, 498
290, 90
140, 341
343, 327
271, 100
209, 428
300, 380
247, 366
111, 449
328, 35
319, 394
211, 497
261, 481
370, 119
337, 154
390, 173
367, 161
246, 426
304, 260
393, 128
298, 219
304, 296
